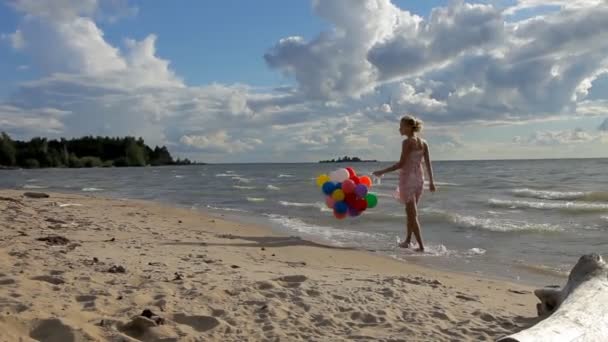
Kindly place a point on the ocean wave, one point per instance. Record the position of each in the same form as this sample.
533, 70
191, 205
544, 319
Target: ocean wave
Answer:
605, 218
226, 209
179, 176
256, 199
572, 207
243, 187
316, 205
91, 189
591, 196
491, 224
227, 175
272, 187
475, 251
285, 176
32, 186
336, 236
241, 179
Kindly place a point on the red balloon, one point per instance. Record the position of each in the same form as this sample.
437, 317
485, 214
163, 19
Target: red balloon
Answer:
355, 179
360, 204
351, 172
348, 186
339, 216
351, 200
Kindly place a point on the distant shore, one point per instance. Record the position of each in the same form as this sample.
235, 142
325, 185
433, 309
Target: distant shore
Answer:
210, 278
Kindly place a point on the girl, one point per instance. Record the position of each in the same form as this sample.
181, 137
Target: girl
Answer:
411, 180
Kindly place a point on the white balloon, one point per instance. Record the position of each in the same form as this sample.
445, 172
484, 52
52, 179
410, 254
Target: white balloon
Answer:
342, 175
334, 176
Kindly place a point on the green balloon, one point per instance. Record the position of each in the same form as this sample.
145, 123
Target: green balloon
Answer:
372, 200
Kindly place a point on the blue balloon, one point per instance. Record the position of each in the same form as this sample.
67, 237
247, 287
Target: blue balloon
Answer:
339, 186
328, 188
341, 207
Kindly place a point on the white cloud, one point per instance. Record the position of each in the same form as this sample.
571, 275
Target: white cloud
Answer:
219, 142
16, 39
31, 122
61, 10
575, 136
565, 4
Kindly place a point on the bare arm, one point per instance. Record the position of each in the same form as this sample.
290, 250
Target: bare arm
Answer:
429, 167
405, 150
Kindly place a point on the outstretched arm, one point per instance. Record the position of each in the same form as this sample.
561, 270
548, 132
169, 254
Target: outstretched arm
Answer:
429, 168
405, 149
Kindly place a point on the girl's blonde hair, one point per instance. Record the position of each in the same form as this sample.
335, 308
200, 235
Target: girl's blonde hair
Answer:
412, 121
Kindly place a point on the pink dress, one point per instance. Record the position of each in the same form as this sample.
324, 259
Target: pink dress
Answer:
411, 178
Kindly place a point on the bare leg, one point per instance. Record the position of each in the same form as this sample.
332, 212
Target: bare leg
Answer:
412, 216
408, 235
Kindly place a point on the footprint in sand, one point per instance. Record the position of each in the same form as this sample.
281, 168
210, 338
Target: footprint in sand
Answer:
7, 281
50, 279
198, 323
292, 281
53, 330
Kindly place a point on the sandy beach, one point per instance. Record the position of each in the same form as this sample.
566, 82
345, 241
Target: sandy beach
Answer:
76, 268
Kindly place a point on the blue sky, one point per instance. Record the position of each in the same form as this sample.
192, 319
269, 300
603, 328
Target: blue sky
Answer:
262, 81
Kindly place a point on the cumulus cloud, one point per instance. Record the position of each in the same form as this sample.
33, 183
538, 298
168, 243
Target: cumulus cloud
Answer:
465, 62
565, 4
219, 142
575, 136
31, 122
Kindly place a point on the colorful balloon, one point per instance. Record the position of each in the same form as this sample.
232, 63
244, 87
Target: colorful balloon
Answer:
365, 180
346, 193
361, 190
353, 212
348, 186
338, 195
351, 172
329, 201
340, 207
340, 175
350, 199
360, 205
339, 216
371, 199
322, 179
328, 188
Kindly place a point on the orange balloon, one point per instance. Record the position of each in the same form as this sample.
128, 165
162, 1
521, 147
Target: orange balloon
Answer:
365, 180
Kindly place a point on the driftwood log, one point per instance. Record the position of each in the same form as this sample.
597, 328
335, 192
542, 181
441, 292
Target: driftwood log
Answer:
578, 312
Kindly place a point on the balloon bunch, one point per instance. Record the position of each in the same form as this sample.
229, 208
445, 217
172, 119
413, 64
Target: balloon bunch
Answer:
346, 193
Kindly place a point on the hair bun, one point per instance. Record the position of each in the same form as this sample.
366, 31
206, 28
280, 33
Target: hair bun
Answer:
417, 125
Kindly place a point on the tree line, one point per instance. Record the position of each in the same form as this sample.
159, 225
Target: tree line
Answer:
82, 152
346, 159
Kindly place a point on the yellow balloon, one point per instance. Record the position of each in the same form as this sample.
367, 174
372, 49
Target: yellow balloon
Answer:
322, 179
338, 195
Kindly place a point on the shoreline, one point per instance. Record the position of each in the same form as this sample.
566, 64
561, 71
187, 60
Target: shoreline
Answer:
411, 259
213, 278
